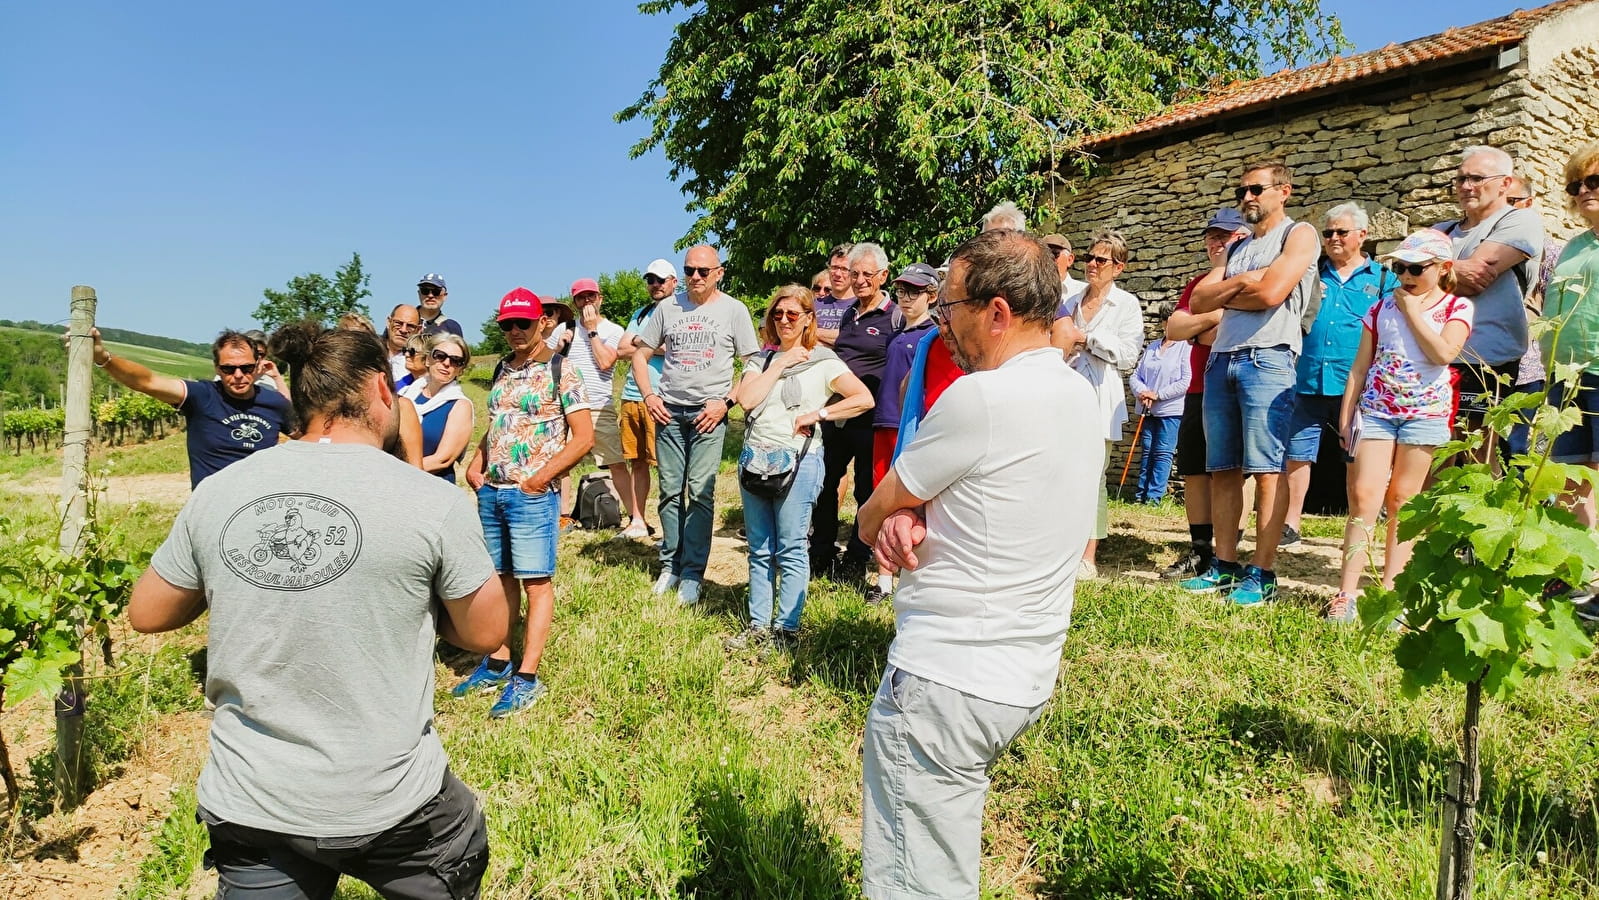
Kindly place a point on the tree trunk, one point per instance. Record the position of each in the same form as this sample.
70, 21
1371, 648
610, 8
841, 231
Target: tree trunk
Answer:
1465, 832
7, 774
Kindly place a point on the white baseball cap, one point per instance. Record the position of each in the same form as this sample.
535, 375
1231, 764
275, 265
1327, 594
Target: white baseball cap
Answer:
662, 269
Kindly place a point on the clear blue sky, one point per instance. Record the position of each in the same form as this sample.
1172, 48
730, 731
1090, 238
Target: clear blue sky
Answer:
180, 157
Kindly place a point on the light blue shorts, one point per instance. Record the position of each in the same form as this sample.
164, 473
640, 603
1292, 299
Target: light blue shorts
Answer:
1414, 432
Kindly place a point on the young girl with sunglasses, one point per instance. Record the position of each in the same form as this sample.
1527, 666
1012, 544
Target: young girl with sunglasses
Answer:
1397, 403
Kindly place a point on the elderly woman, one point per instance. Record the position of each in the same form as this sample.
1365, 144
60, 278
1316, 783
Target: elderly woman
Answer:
416, 360
445, 411
787, 399
1101, 331
1571, 303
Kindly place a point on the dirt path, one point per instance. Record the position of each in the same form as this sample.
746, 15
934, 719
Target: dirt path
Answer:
167, 488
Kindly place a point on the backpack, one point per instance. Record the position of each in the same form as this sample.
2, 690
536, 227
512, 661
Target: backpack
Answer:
597, 506
1313, 301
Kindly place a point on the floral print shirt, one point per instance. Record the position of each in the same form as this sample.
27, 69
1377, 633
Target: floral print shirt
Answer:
527, 421
1403, 383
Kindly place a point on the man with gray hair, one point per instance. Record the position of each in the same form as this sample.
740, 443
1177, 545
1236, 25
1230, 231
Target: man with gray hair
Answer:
1351, 282
864, 334
1004, 215
1496, 249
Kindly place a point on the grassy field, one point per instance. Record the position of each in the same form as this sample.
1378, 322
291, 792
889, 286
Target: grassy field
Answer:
1191, 750
164, 361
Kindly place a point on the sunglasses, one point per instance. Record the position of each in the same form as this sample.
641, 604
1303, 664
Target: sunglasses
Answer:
247, 369
1590, 183
700, 271
653, 280
1056, 251
511, 324
787, 315
1336, 232
1473, 180
1092, 260
1253, 190
1412, 269
429, 291
456, 361
1514, 200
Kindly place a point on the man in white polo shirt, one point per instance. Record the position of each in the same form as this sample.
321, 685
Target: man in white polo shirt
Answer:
590, 345
985, 593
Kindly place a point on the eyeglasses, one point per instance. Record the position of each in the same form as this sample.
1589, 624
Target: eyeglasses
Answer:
456, 361
1412, 269
865, 273
818, 288
700, 271
1590, 183
1514, 200
1092, 260
838, 270
247, 369
653, 280
943, 305
1474, 180
397, 325
1253, 190
901, 293
513, 324
1330, 233
428, 290
787, 315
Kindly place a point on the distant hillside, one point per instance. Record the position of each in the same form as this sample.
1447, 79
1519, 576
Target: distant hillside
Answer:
33, 364
122, 336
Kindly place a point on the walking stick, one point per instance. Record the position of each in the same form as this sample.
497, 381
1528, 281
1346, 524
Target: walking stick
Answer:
1121, 485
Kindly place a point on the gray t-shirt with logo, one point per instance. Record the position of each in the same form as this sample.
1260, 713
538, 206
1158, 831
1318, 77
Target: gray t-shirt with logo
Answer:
1245, 329
700, 343
319, 654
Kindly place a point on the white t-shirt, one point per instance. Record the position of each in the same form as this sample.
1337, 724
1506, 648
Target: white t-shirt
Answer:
1403, 383
775, 422
397, 365
596, 381
1011, 478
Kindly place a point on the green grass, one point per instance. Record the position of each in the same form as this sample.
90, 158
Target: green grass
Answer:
166, 362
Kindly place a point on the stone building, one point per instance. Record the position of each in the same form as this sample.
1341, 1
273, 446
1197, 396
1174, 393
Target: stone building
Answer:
1382, 128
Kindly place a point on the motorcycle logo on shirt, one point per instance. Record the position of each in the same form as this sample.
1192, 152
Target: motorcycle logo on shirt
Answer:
291, 542
248, 429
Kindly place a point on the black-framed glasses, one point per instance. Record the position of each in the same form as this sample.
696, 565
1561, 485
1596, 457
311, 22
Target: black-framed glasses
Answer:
1253, 190
1588, 183
1411, 269
1514, 200
653, 280
397, 325
512, 324
246, 368
818, 288
700, 271
452, 359
943, 306
1092, 260
901, 293
1474, 180
428, 290
1330, 233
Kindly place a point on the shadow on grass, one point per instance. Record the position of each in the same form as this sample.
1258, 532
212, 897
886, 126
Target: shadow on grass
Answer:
845, 652
756, 842
1409, 770
1122, 551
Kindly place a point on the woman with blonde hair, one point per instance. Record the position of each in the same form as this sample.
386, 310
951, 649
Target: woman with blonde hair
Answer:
780, 467
444, 409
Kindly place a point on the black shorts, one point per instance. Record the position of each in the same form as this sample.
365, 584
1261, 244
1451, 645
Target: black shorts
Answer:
439, 852
1191, 437
1478, 386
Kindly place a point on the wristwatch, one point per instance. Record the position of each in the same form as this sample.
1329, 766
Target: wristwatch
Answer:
729, 402
822, 414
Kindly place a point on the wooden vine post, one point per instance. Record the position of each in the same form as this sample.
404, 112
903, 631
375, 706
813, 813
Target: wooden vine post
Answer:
69, 706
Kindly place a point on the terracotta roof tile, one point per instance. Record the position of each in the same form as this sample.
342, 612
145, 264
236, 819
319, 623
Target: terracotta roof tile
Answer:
1338, 71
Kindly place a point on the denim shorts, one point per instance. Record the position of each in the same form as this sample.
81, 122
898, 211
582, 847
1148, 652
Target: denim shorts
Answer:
520, 529
1580, 444
1312, 414
1414, 432
1249, 407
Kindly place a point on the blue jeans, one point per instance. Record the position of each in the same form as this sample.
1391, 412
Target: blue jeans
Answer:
688, 463
520, 529
1249, 407
1158, 444
780, 544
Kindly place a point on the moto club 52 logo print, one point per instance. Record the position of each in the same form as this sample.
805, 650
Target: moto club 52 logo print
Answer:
291, 542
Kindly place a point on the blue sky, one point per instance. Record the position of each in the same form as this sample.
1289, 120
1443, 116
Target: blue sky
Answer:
180, 157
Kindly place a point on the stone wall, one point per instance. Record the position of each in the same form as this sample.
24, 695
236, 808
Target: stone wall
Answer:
1394, 158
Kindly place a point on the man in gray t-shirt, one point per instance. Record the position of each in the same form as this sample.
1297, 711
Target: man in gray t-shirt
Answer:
324, 609
701, 332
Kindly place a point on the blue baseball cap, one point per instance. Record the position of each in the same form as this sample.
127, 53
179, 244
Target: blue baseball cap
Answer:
919, 275
434, 279
1227, 219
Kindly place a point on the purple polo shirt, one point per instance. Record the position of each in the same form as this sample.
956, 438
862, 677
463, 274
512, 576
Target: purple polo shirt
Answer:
901, 353
830, 312
863, 342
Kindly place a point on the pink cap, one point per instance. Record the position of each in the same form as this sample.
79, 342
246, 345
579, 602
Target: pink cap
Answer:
584, 286
520, 303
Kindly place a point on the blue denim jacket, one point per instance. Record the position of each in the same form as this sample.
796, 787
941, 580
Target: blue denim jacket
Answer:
1334, 338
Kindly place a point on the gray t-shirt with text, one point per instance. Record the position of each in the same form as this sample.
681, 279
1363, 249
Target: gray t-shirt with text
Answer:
700, 343
319, 654
1245, 329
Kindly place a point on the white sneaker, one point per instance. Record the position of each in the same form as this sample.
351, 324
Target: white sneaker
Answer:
666, 584
636, 531
688, 593
1087, 571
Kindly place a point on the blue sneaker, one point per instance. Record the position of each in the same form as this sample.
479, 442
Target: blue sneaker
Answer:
518, 695
1212, 580
1254, 588
482, 678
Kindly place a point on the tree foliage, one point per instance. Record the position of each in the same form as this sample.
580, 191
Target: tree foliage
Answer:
317, 297
623, 291
793, 126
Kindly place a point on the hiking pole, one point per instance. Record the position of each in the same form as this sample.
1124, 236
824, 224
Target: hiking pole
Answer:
1121, 485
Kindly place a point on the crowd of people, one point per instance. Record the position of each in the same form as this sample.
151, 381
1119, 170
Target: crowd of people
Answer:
954, 397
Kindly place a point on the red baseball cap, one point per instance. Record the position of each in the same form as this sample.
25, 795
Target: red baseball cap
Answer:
583, 286
520, 303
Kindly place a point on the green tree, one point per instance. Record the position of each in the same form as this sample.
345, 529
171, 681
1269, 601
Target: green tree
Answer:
624, 291
494, 342
792, 126
316, 297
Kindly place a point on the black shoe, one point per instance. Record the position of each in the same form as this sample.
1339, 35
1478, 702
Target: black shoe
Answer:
1189, 566
875, 595
1290, 536
784, 641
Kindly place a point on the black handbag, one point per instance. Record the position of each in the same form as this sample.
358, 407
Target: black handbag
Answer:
771, 485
